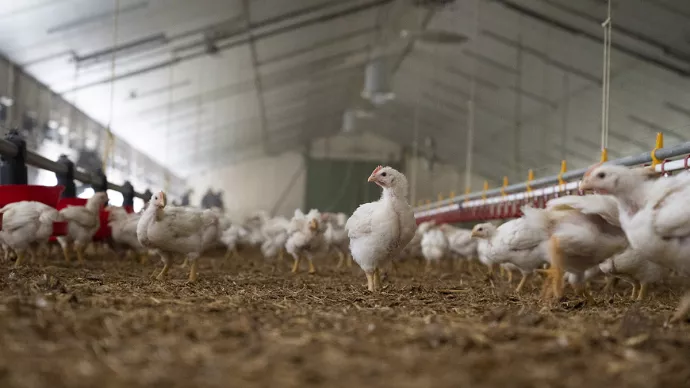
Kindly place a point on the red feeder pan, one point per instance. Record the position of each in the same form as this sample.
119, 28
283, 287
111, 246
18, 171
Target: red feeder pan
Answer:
104, 231
48, 195
129, 209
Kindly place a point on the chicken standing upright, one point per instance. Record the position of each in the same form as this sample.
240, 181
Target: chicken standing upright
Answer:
305, 238
231, 238
275, 231
461, 245
378, 231
83, 223
634, 269
26, 225
124, 230
518, 242
434, 247
177, 230
336, 237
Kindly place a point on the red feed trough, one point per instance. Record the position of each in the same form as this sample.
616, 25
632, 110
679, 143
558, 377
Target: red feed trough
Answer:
49, 195
104, 231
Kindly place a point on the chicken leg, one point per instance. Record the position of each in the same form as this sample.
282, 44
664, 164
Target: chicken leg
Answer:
312, 270
193, 270
525, 276
643, 291
295, 265
349, 260
377, 279
510, 276
341, 259
185, 263
80, 252
633, 293
20, 257
370, 280
66, 252
166, 267
610, 284
554, 275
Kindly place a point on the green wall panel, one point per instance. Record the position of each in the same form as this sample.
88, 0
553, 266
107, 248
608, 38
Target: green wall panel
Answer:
339, 185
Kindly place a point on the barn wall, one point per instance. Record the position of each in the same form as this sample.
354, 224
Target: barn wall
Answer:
259, 184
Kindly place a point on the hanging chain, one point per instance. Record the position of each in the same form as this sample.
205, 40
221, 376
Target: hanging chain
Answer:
110, 139
606, 80
470, 106
168, 121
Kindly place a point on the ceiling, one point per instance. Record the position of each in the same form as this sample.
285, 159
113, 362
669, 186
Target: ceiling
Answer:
210, 82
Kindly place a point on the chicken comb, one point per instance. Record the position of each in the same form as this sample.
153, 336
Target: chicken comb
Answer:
589, 170
377, 169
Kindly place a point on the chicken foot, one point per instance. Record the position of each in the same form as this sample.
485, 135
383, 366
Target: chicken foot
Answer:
193, 275
20, 257
80, 252
295, 265
166, 267
312, 270
554, 275
341, 259
370, 280
643, 291
525, 276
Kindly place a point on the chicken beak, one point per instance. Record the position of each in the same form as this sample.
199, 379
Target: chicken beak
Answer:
313, 225
473, 234
584, 185
372, 178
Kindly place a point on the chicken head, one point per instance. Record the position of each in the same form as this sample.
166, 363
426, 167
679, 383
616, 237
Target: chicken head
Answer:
614, 179
159, 199
384, 176
485, 230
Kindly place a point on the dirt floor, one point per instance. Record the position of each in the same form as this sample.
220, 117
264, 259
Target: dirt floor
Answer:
246, 324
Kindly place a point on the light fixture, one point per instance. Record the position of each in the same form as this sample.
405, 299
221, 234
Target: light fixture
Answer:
376, 83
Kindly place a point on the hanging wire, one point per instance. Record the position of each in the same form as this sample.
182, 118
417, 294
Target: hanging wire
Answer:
168, 122
110, 139
470, 104
606, 81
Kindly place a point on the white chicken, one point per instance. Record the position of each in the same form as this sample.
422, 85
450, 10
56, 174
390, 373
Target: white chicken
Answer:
434, 247
413, 249
231, 238
583, 231
654, 213
124, 230
634, 269
336, 237
518, 242
461, 245
177, 230
83, 223
275, 236
25, 226
305, 238
378, 231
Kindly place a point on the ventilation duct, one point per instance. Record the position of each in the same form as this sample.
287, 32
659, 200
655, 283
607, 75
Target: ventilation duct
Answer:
377, 83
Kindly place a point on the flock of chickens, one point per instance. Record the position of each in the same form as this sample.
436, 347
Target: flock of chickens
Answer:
632, 226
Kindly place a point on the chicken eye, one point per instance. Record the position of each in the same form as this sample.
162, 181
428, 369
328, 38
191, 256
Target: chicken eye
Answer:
383, 174
480, 229
601, 175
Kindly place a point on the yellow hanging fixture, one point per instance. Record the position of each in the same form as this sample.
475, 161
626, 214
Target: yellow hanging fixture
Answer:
505, 184
486, 188
564, 168
530, 178
659, 145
